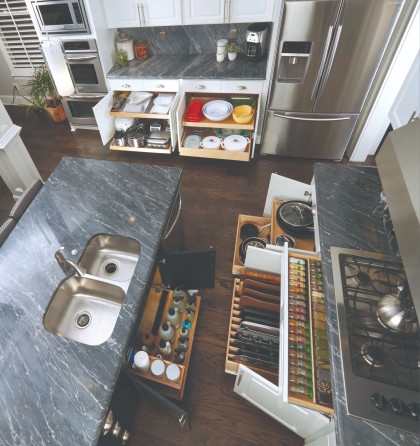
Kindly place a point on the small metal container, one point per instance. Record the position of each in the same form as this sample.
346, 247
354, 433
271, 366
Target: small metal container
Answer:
119, 138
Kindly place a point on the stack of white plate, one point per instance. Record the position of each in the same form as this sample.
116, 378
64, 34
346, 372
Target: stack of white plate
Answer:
217, 110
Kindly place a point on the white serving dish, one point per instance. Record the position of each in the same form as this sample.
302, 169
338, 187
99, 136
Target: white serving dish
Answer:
211, 143
235, 143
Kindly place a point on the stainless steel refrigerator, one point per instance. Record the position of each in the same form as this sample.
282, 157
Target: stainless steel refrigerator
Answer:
329, 52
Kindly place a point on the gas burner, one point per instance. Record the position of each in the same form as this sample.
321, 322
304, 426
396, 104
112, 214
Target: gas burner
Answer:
373, 355
362, 279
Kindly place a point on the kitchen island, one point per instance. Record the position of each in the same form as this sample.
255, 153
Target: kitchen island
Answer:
349, 216
54, 391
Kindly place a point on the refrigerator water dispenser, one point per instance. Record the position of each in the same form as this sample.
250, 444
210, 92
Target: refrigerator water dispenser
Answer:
293, 62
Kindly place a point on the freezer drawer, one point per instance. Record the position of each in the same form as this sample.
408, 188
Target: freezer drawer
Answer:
307, 135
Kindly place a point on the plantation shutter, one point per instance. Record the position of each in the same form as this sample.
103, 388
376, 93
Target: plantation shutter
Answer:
19, 41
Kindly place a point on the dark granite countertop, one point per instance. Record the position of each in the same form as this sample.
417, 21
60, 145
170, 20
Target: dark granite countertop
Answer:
347, 208
54, 391
191, 66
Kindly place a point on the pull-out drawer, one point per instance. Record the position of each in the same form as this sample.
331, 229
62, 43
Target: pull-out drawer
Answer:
302, 374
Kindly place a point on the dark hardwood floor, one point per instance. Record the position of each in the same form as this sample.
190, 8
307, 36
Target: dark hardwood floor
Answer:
214, 193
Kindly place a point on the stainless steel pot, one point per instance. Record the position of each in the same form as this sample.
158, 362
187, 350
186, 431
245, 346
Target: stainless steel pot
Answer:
396, 312
135, 137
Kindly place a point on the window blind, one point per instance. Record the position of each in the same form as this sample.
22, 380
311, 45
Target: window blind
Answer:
19, 41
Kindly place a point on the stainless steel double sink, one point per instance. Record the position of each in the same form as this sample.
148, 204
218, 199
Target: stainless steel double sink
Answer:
86, 305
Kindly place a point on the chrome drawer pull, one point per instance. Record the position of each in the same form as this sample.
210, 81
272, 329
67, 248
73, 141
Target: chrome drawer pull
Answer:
160, 86
125, 85
241, 87
200, 87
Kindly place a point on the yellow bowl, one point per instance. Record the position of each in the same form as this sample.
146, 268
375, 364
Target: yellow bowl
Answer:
242, 114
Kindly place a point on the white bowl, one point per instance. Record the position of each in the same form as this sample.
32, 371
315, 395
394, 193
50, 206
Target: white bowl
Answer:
217, 110
235, 143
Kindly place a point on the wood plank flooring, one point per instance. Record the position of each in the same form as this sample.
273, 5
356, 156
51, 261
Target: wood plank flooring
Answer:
214, 193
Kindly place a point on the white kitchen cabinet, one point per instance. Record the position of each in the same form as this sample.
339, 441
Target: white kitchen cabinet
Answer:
218, 129
269, 389
106, 119
242, 11
140, 13
197, 12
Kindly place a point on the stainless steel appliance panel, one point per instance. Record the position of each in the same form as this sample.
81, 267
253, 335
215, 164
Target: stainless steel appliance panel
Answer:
86, 71
359, 41
298, 134
79, 109
303, 21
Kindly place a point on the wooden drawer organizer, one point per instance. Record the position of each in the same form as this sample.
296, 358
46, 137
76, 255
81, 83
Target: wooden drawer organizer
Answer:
312, 290
166, 387
237, 266
232, 364
228, 123
145, 115
305, 242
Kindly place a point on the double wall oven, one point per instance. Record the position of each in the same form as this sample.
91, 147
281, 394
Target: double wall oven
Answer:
89, 82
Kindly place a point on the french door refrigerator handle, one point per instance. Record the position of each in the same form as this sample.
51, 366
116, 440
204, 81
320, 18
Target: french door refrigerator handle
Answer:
296, 118
331, 60
323, 61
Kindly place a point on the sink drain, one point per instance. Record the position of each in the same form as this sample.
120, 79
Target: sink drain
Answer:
83, 320
111, 267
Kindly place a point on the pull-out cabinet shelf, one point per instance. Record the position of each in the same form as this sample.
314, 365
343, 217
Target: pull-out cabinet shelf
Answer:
219, 129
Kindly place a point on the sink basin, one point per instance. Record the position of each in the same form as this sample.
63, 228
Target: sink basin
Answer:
84, 310
111, 257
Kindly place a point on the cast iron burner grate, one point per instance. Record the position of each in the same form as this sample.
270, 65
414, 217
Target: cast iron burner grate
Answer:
377, 353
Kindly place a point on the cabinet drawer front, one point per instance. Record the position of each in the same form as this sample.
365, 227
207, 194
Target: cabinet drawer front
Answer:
126, 84
160, 85
242, 87
201, 85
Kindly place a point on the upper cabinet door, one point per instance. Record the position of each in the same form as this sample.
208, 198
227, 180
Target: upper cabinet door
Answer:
160, 12
123, 14
197, 12
241, 11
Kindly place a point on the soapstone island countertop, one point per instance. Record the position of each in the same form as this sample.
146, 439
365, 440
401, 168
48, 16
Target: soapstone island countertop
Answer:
55, 391
191, 66
348, 217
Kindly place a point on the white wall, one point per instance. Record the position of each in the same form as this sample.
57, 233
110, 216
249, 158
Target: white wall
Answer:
6, 81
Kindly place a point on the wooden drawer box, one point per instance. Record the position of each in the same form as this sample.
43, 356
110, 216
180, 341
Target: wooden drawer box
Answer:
162, 384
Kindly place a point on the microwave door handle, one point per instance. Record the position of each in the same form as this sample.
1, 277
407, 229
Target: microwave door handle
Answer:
81, 58
297, 118
331, 60
323, 62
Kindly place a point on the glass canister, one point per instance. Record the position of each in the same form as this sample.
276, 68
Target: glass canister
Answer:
125, 43
141, 50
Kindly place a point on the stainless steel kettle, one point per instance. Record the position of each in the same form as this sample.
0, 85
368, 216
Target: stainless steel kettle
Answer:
396, 312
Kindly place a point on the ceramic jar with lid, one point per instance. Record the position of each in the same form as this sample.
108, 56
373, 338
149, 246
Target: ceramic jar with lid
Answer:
125, 43
221, 50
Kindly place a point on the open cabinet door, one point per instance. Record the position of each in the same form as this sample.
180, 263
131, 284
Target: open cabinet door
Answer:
265, 395
106, 123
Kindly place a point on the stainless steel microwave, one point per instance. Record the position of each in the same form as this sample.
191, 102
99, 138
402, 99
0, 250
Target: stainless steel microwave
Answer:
60, 17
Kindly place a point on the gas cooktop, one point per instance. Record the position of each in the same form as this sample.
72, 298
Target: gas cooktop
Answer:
381, 362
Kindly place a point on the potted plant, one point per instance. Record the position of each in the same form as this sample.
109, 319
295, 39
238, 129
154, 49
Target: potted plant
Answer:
232, 49
42, 95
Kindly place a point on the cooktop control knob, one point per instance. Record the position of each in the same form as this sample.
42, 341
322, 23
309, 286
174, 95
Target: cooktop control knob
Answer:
378, 400
414, 410
397, 406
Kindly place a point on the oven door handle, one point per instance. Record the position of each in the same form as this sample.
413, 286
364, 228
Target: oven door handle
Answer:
75, 96
81, 58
